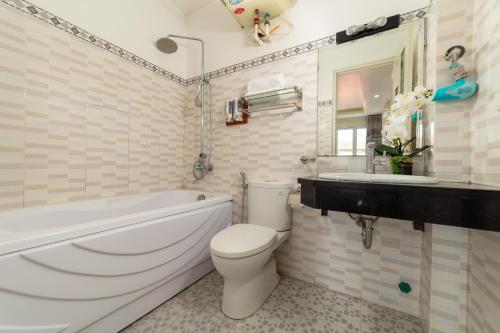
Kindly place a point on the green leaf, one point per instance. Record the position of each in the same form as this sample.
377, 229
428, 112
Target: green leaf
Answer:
418, 151
390, 150
408, 142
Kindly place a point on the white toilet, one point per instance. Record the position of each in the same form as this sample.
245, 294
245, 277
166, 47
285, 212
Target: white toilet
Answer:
243, 253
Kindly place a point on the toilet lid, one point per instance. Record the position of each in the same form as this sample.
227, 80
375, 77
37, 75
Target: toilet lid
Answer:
242, 240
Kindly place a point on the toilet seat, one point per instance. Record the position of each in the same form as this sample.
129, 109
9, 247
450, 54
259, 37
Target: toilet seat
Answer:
242, 240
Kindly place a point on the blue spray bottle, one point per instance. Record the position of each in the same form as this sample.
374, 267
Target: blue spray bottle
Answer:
462, 88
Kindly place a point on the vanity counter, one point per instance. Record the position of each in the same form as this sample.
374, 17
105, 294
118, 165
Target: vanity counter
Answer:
455, 204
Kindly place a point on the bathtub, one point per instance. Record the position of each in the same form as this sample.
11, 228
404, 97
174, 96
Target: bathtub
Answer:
97, 266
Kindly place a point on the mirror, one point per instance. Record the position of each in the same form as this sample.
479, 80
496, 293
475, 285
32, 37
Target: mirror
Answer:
357, 83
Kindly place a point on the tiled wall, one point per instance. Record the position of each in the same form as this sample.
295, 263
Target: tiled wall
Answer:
484, 255
269, 146
78, 122
448, 123
443, 306
322, 250
485, 117
448, 279
325, 128
460, 268
484, 282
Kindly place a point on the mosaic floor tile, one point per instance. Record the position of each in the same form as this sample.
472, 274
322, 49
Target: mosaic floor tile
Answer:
293, 307
330, 307
376, 318
313, 325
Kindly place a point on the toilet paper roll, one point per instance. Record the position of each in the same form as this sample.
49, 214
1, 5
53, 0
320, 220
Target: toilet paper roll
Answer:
294, 199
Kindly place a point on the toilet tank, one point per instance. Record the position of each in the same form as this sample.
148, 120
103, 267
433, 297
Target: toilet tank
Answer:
268, 204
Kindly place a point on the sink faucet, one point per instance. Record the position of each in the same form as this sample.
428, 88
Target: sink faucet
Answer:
371, 160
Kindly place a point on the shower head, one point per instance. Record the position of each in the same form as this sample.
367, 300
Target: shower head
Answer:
166, 45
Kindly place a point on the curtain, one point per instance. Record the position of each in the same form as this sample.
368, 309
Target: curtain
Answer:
374, 128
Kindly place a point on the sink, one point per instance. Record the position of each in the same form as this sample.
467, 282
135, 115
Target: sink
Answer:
378, 178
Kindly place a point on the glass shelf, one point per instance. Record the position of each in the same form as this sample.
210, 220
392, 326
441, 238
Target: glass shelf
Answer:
276, 99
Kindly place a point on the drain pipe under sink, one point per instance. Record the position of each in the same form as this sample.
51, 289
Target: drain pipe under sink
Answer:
366, 225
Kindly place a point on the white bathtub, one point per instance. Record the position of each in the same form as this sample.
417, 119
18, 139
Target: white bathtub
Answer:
99, 265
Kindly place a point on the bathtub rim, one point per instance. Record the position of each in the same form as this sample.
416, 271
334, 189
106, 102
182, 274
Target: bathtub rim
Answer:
42, 237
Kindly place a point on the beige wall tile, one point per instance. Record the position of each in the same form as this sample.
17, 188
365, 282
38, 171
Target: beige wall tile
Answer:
12, 81
66, 127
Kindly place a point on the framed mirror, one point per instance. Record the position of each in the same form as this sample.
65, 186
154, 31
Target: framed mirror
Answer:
357, 83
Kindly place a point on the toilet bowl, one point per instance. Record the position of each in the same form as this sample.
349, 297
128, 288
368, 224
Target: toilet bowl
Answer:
243, 253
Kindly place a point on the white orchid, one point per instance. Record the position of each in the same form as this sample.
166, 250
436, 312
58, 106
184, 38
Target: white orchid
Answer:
399, 98
421, 91
394, 131
397, 118
403, 107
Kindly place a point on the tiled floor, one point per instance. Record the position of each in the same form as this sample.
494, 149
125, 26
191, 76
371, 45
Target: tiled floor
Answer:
294, 306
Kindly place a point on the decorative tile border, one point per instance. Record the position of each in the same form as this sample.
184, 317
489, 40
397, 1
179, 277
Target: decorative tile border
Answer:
295, 50
59, 23
72, 29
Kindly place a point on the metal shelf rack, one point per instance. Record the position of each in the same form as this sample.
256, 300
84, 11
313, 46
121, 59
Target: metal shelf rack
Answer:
274, 100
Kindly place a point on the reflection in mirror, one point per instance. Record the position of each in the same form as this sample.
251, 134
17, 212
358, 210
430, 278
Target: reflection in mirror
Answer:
357, 83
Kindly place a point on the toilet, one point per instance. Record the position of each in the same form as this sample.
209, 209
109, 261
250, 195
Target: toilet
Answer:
243, 253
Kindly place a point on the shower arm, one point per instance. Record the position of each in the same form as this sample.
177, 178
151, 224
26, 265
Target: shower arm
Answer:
202, 50
202, 81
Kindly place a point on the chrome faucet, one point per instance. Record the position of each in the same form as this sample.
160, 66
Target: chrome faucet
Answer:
371, 160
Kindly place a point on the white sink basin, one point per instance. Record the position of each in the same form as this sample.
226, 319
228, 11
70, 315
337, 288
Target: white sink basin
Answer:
379, 178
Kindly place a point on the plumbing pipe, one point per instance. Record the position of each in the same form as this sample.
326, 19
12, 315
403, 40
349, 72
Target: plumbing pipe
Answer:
244, 186
267, 24
367, 234
256, 31
366, 225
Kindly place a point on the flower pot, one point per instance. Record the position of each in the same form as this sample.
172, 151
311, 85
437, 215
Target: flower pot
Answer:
406, 168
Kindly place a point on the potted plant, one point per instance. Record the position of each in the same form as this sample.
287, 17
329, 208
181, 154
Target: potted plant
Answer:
401, 154
395, 129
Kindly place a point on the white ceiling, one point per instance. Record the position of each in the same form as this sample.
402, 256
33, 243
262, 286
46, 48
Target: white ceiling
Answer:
189, 6
357, 89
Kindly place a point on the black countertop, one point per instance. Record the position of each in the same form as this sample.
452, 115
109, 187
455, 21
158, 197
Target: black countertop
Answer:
456, 204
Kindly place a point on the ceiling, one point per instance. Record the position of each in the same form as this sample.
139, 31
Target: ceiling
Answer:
189, 6
369, 89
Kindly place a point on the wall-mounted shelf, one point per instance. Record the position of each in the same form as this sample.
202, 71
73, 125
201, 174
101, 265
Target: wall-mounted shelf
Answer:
274, 100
